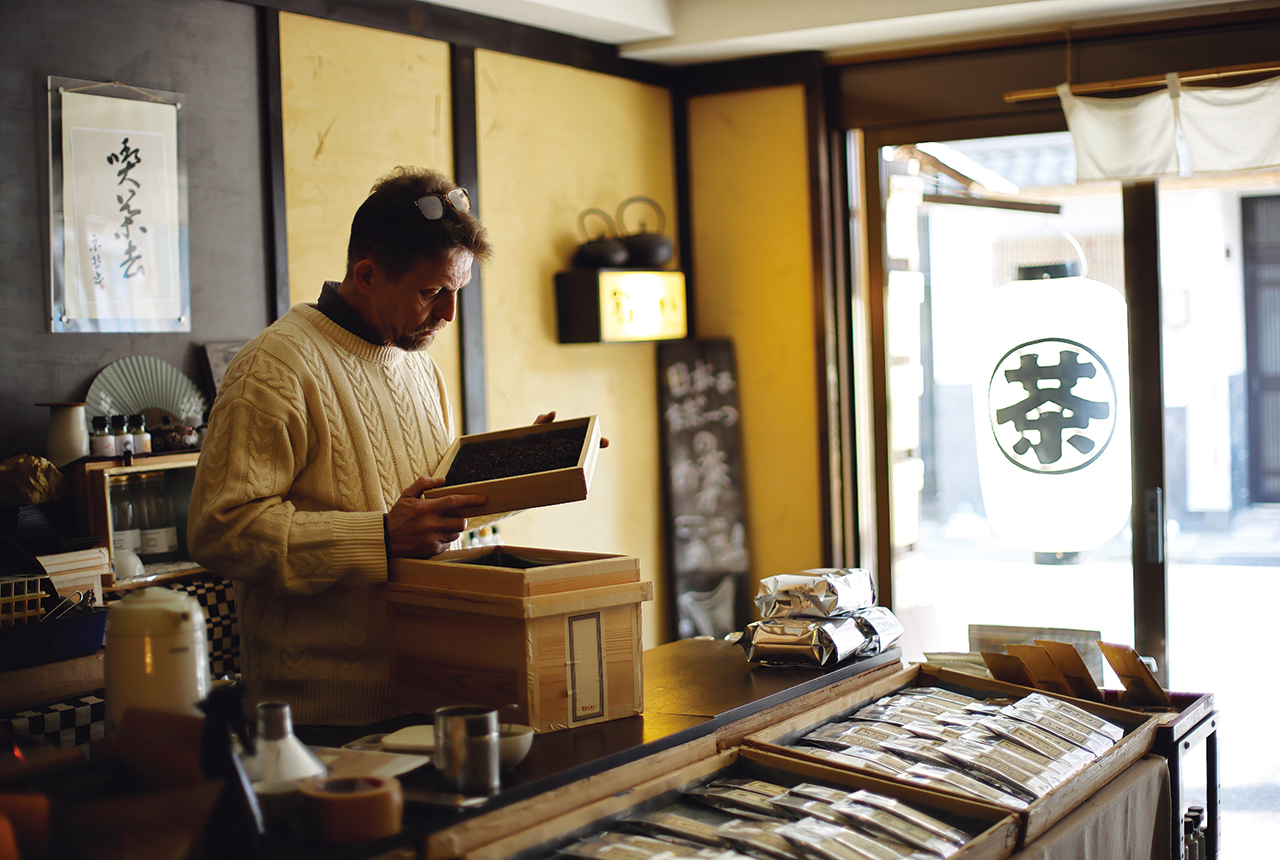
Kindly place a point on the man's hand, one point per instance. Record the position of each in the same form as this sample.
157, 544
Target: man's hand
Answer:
421, 528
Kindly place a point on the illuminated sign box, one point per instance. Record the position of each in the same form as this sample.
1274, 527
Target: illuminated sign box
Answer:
619, 305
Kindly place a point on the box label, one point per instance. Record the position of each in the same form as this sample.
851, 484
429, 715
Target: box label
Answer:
586, 667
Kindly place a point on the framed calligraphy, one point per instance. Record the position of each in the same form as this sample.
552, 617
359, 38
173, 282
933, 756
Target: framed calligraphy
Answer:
117, 210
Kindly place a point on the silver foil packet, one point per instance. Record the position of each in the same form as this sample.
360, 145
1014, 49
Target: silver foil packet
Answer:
816, 593
820, 642
802, 641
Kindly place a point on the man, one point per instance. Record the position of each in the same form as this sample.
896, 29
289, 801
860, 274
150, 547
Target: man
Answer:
321, 440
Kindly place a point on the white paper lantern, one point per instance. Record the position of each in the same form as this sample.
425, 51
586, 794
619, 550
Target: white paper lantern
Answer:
1051, 403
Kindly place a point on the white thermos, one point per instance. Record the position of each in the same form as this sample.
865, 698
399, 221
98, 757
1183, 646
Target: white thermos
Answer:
157, 656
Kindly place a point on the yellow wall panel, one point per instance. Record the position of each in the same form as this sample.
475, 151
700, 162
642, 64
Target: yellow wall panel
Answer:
357, 102
750, 203
554, 141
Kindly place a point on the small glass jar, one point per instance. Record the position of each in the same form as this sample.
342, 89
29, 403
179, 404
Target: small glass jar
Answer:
101, 442
125, 534
124, 439
141, 438
159, 532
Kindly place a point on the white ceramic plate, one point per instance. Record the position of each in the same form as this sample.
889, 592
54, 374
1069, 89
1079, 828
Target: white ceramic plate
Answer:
145, 385
414, 739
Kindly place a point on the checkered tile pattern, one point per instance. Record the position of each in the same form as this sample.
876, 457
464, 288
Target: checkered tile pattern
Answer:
69, 723
74, 722
217, 596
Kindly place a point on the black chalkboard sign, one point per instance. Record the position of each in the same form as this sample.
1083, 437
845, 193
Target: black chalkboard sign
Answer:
702, 481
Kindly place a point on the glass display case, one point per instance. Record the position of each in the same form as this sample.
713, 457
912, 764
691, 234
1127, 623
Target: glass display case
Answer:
138, 506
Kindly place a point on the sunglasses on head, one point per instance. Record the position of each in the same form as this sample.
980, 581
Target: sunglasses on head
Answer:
432, 205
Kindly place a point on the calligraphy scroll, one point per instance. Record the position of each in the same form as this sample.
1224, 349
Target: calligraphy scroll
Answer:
702, 480
118, 214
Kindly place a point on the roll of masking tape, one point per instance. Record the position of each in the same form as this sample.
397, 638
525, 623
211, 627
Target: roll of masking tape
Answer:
352, 809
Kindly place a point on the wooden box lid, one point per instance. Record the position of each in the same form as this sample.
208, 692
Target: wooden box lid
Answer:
507, 465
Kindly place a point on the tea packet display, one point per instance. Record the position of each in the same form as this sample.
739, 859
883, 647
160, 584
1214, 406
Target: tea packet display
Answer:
1007, 752
732, 818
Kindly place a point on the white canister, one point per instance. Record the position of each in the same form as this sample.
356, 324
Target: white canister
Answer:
156, 654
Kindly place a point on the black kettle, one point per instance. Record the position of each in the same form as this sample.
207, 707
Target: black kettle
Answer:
645, 250
604, 251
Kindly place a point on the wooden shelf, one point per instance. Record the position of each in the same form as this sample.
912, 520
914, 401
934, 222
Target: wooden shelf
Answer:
39, 684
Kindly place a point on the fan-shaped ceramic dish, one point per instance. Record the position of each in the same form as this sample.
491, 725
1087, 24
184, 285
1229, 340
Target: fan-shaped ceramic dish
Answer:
147, 386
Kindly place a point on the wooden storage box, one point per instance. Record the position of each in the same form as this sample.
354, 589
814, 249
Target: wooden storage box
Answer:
1139, 736
556, 634
524, 467
524, 831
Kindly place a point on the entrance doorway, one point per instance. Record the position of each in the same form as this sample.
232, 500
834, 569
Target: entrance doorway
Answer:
953, 572
1260, 229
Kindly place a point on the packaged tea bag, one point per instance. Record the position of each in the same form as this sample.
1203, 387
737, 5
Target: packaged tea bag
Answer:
621, 846
877, 821
798, 807
739, 801
825, 793
675, 824
1041, 741
832, 842
758, 839
960, 700
950, 779
1095, 742
917, 817
1066, 710
918, 749
878, 763
759, 786
999, 768
816, 593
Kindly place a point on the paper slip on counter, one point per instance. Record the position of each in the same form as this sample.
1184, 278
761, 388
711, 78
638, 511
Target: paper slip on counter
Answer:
556, 634
525, 833
784, 738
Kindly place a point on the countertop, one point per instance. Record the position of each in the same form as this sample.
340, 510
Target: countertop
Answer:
693, 689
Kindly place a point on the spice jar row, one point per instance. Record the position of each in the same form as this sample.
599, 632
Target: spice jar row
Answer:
117, 435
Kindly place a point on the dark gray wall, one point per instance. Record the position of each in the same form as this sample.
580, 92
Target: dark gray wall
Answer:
207, 50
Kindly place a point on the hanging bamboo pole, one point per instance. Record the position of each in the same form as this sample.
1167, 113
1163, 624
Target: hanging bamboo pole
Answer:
1144, 81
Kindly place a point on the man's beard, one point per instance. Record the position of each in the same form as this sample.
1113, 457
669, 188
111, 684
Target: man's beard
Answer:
415, 341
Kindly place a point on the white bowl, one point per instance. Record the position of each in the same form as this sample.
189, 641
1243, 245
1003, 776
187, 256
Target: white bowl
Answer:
514, 742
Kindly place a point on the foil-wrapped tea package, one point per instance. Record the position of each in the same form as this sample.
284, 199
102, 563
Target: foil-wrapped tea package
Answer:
816, 593
820, 642
802, 641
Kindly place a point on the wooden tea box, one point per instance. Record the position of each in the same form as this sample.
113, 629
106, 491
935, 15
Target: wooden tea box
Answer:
1043, 813
526, 830
554, 633
523, 467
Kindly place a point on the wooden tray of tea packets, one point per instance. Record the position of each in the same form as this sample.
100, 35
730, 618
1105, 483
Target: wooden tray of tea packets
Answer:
1035, 815
663, 813
523, 467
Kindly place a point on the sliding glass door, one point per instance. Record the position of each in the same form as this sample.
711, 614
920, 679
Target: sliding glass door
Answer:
1007, 385
992, 391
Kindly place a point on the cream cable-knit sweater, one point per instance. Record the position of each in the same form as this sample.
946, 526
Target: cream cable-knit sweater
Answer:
314, 434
